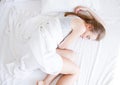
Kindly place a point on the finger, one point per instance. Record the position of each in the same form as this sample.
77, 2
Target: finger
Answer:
37, 83
76, 9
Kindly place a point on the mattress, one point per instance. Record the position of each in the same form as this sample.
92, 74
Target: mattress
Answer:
95, 59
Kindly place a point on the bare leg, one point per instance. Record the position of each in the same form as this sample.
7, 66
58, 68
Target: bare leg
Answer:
71, 72
48, 80
67, 53
62, 52
40, 83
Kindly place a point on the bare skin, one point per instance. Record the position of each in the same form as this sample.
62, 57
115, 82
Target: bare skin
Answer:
68, 53
69, 76
79, 29
89, 12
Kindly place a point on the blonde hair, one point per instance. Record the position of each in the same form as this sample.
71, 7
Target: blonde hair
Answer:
97, 26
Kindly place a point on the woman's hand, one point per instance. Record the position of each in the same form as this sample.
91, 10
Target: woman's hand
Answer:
92, 14
80, 8
61, 46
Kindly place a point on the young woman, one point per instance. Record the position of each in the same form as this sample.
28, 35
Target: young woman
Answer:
78, 25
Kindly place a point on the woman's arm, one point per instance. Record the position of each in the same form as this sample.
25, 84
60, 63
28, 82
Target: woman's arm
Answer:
68, 40
78, 9
78, 28
65, 52
96, 16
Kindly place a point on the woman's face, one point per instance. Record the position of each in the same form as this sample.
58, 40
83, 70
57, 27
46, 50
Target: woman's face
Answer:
88, 34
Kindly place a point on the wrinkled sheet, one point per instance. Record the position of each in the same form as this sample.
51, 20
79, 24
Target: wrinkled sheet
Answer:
96, 59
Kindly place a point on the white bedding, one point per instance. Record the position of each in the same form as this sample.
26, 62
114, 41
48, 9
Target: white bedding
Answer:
96, 59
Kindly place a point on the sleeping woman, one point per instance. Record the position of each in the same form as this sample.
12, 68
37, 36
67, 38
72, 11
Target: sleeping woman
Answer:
84, 23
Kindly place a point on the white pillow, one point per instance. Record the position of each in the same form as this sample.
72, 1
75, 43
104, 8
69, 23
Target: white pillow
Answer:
57, 5
49, 6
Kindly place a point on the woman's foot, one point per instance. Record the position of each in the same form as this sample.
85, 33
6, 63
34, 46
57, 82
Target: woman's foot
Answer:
40, 83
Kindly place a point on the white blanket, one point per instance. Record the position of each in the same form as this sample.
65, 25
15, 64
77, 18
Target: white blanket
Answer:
96, 59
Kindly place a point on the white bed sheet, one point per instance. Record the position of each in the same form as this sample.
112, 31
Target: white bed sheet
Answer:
96, 59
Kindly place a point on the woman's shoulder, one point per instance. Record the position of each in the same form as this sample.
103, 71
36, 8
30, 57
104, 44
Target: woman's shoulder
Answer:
76, 22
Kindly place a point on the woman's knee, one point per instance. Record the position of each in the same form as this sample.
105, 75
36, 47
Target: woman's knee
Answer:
70, 55
69, 67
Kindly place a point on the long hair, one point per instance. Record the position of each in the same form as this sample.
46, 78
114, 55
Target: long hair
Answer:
97, 26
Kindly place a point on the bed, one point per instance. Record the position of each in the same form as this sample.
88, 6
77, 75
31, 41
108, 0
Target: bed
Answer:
95, 59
